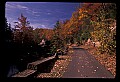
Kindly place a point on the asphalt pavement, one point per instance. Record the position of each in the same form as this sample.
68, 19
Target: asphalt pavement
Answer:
84, 65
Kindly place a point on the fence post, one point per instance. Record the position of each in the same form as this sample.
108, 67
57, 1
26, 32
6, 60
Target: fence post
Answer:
56, 55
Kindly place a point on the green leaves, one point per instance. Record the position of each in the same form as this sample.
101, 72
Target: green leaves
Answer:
105, 15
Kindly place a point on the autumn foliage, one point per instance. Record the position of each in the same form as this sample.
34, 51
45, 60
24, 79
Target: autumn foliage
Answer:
95, 21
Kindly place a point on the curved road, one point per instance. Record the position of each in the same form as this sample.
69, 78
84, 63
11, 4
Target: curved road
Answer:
84, 65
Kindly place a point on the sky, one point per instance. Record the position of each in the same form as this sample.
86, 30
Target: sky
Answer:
40, 14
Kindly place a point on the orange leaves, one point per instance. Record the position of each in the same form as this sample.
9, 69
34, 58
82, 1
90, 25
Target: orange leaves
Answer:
69, 33
82, 16
88, 9
83, 13
82, 10
48, 33
23, 24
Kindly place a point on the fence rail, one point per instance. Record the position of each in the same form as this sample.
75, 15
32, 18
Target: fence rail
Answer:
37, 66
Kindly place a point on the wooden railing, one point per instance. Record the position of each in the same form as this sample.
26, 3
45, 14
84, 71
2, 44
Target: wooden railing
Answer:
40, 66
37, 66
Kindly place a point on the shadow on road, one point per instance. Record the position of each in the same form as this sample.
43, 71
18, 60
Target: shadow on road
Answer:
78, 48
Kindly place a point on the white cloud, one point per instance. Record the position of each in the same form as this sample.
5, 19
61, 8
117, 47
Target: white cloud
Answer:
21, 7
52, 25
10, 6
48, 13
34, 12
30, 11
37, 25
43, 26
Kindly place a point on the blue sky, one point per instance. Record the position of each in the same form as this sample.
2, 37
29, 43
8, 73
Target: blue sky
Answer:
40, 14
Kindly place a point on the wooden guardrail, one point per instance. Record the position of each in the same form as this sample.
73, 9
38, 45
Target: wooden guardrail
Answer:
37, 66
25, 73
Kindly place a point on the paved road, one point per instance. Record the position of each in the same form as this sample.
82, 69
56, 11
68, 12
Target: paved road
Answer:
84, 65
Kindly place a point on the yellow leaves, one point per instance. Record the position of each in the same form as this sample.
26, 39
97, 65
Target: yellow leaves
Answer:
80, 10
83, 15
69, 33
80, 17
97, 24
86, 11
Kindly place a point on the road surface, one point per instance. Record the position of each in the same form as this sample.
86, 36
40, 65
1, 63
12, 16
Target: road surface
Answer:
84, 65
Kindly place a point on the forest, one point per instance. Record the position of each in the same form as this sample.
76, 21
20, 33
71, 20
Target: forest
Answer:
94, 21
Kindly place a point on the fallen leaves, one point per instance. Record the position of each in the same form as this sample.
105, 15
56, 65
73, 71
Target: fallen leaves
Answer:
109, 61
58, 69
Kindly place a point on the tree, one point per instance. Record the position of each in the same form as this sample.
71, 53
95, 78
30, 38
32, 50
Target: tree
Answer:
8, 32
57, 25
57, 42
8, 48
23, 40
36, 34
102, 31
23, 30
